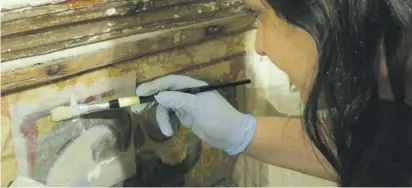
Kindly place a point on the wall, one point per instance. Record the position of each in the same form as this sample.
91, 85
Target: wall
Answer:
91, 50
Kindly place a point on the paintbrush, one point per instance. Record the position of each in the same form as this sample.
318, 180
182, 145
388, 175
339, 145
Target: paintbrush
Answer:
61, 113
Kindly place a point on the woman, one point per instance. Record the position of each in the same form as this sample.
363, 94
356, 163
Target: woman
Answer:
349, 60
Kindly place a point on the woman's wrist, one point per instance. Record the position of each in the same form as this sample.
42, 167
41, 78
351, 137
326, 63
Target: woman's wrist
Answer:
246, 137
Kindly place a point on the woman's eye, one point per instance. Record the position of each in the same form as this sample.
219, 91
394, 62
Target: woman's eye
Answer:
253, 12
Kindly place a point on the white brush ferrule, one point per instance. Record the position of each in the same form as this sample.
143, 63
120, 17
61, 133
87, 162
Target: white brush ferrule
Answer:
128, 101
89, 108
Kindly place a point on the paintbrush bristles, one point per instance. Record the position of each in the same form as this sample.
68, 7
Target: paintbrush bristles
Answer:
61, 113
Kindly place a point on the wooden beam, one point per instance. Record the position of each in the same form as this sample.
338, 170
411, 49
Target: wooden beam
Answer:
78, 14
174, 38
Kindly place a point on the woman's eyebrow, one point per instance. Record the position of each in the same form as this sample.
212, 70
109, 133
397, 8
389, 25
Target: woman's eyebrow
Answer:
252, 4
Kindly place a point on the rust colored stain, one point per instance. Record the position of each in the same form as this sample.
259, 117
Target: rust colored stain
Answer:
29, 130
97, 97
81, 3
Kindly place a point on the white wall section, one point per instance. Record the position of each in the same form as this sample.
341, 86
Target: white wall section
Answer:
13, 4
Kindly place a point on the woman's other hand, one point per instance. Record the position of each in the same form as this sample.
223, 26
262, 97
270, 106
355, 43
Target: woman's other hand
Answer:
207, 114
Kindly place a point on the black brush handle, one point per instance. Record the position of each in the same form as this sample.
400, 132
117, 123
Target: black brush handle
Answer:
200, 89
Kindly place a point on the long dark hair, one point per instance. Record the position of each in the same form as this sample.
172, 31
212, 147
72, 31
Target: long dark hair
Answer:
366, 139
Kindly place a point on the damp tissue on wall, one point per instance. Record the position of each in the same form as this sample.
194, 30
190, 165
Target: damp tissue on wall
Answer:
71, 153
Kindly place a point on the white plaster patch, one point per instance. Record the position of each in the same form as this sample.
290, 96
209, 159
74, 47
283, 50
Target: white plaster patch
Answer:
111, 11
94, 174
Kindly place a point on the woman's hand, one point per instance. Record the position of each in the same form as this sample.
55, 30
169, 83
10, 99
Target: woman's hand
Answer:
207, 114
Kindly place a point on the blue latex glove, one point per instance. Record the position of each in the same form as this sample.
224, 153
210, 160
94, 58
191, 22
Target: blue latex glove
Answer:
207, 114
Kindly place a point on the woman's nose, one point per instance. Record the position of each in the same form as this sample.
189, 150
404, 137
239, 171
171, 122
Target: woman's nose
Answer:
259, 44
259, 50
